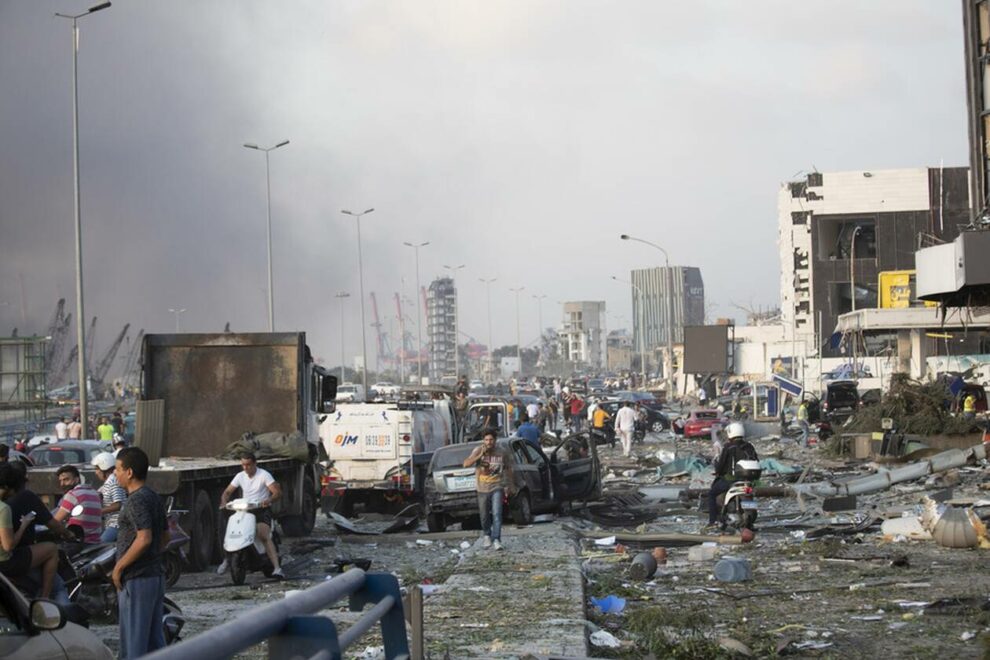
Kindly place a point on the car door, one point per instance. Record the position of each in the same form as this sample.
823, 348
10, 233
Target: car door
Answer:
578, 477
540, 461
527, 474
16, 641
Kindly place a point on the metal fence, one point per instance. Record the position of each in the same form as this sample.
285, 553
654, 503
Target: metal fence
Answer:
292, 631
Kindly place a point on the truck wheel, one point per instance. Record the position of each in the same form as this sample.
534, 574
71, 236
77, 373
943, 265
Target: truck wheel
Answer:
173, 568
435, 522
303, 524
203, 534
238, 567
522, 512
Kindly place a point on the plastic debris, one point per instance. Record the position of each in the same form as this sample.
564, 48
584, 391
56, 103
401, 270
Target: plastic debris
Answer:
609, 604
605, 639
605, 541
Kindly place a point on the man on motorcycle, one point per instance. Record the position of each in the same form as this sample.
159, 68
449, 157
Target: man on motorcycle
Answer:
257, 485
78, 493
736, 448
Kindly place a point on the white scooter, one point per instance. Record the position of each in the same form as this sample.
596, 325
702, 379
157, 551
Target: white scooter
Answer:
245, 552
739, 507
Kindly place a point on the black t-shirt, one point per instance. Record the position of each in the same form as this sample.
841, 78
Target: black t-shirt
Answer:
142, 510
20, 504
117, 422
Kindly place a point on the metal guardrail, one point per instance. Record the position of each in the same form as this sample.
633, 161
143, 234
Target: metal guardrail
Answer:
293, 631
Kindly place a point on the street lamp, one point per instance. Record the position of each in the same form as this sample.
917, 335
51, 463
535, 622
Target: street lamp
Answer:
419, 321
457, 322
491, 346
539, 316
268, 190
340, 295
80, 325
852, 300
670, 312
176, 312
364, 343
642, 326
517, 291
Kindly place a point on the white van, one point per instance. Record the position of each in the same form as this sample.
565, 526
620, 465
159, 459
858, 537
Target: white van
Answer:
350, 393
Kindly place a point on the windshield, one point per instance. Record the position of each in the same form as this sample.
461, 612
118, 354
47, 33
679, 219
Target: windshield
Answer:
63, 456
706, 415
452, 456
842, 397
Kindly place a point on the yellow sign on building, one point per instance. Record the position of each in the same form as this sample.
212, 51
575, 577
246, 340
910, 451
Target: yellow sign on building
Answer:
897, 290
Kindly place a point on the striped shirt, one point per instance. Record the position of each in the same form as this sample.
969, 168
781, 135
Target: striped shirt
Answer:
91, 519
111, 492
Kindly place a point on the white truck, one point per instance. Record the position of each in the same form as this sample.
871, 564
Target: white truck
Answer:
378, 452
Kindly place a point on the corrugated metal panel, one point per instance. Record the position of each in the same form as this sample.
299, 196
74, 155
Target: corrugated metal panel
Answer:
150, 428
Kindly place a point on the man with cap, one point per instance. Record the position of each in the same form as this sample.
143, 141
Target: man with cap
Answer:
112, 495
118, 444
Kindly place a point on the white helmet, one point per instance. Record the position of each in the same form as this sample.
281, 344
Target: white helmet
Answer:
735, 430
104, 460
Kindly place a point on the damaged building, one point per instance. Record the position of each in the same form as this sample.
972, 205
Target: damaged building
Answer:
582, 333
838, 231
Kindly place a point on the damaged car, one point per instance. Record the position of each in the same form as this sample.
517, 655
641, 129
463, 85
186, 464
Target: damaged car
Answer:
544, 482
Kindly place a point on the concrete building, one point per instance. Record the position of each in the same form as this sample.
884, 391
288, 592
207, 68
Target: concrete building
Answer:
652, 322
441, 328
620, 350
838, 230
582, 335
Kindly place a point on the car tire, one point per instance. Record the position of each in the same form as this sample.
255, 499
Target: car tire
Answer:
435, 522
657, 427
522, 511
303, 524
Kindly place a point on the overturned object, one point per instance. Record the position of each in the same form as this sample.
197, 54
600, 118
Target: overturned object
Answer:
958, 528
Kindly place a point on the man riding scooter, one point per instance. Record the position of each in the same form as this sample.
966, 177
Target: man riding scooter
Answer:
736, 448
257, 485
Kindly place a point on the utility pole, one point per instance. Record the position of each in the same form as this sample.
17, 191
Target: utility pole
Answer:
340, 295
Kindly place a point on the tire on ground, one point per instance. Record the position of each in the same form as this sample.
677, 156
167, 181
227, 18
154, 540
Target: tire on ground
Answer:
203, 532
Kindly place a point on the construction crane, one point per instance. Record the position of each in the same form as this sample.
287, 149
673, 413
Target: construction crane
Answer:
99, 373
58, 330
60, 372
130, 362
384, 350
91, 342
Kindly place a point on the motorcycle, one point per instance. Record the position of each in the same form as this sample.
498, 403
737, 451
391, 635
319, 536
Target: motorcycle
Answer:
245, 552
175, 550
603, 436
738, 507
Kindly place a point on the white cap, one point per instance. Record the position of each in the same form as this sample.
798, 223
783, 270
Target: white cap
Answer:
104, 460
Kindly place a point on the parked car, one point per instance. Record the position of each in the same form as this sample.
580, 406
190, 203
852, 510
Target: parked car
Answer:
597, 386
840, 402
699, 423
573, 473
39, 629
69, 452
635, 397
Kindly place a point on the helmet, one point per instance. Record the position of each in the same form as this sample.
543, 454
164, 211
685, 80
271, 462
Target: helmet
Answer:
735, 430
104, 461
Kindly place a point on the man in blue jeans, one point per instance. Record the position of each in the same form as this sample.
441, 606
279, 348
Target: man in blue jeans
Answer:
493, 472
139, 574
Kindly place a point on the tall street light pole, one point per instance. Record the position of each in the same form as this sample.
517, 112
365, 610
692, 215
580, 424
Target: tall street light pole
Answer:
669, 370
340, 295
642, 325
457, 320
364, 342
852, 301
539, 320
419, 314
517, 291
268, 192
80, 323
176, 312
491, 346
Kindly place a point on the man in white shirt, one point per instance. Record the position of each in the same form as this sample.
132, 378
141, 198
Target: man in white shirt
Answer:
625, 425
62, 430
257, 485
532, 409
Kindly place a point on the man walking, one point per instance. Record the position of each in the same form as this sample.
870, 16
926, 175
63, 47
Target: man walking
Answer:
62, 430
493, 473
139, 575
802, 420
625, 426
75, 429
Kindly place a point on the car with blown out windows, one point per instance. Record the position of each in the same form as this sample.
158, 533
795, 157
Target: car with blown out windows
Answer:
545, 481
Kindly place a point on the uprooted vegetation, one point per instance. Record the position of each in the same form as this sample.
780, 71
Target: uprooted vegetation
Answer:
916, 408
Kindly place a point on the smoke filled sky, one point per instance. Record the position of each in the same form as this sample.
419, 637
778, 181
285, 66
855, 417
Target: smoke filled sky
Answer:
519, 138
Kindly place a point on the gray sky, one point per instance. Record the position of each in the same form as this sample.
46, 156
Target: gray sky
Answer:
519, 138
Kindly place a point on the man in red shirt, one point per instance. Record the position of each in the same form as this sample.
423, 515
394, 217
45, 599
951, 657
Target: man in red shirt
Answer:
577, 405
76, 492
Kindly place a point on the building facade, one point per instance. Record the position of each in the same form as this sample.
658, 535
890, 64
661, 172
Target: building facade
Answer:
582, 335
838, 230
441, 328
652, 309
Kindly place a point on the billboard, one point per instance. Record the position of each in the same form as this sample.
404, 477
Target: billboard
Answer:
706, 349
